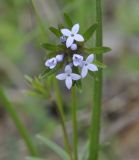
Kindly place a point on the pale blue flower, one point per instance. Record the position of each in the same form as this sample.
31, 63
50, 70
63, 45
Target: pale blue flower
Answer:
60, 57
87, 65
77, 59
72, 35
63, 39
68, 76
51, 63
73, 47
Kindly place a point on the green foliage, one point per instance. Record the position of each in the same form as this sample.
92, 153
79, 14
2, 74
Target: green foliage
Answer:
38, 87
55, 31
89, 32
68, 20
99, 64
18, 123
54, 147
50, 47
49, 72
98, 50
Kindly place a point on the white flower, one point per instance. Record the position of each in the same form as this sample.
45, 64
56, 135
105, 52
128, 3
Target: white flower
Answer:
51, 63
86, 65
68, 76
72, 35
59, 57
77, 59
73, 47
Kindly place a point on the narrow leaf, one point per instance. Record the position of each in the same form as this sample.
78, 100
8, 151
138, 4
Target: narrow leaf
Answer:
54, 147
68, 20
55, 31
60, 26
18, 123
49, 72
99, 64
28, 78
88, 34
98, 50
50, 47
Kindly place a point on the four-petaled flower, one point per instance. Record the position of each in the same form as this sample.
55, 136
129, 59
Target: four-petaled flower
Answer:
68, 76
51, 63
86, 65
72, 35
77, 59
68, 38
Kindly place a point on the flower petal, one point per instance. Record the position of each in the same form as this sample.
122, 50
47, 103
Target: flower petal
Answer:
66, 32
75, 29
82, 64
51, 67
75, 76
69, 41
63, 39
68, 69
92, 67
90, 58
73, 47
68, 82
84, 71
59, 57
77, 59
47, 63
61, 76
51, 63
78, 37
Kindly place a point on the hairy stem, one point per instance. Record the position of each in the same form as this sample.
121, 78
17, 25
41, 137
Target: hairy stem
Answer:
97, 92
74, 123
18, 123
62, 118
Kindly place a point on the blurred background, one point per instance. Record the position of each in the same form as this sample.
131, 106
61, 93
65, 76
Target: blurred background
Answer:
23, 27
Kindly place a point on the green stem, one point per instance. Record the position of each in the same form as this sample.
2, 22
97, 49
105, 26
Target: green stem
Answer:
74, 123
18, 123
62, 118
97, 93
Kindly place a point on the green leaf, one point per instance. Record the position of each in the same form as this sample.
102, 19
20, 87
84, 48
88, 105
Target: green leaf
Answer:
60, 26
49, 72
55, 31
68, 20
28, 78
88, 34
50, 47
18, 123
98, 50
34, 158
99, 64
54, 147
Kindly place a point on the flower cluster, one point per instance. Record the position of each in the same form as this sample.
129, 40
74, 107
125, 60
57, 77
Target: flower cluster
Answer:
72, 57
